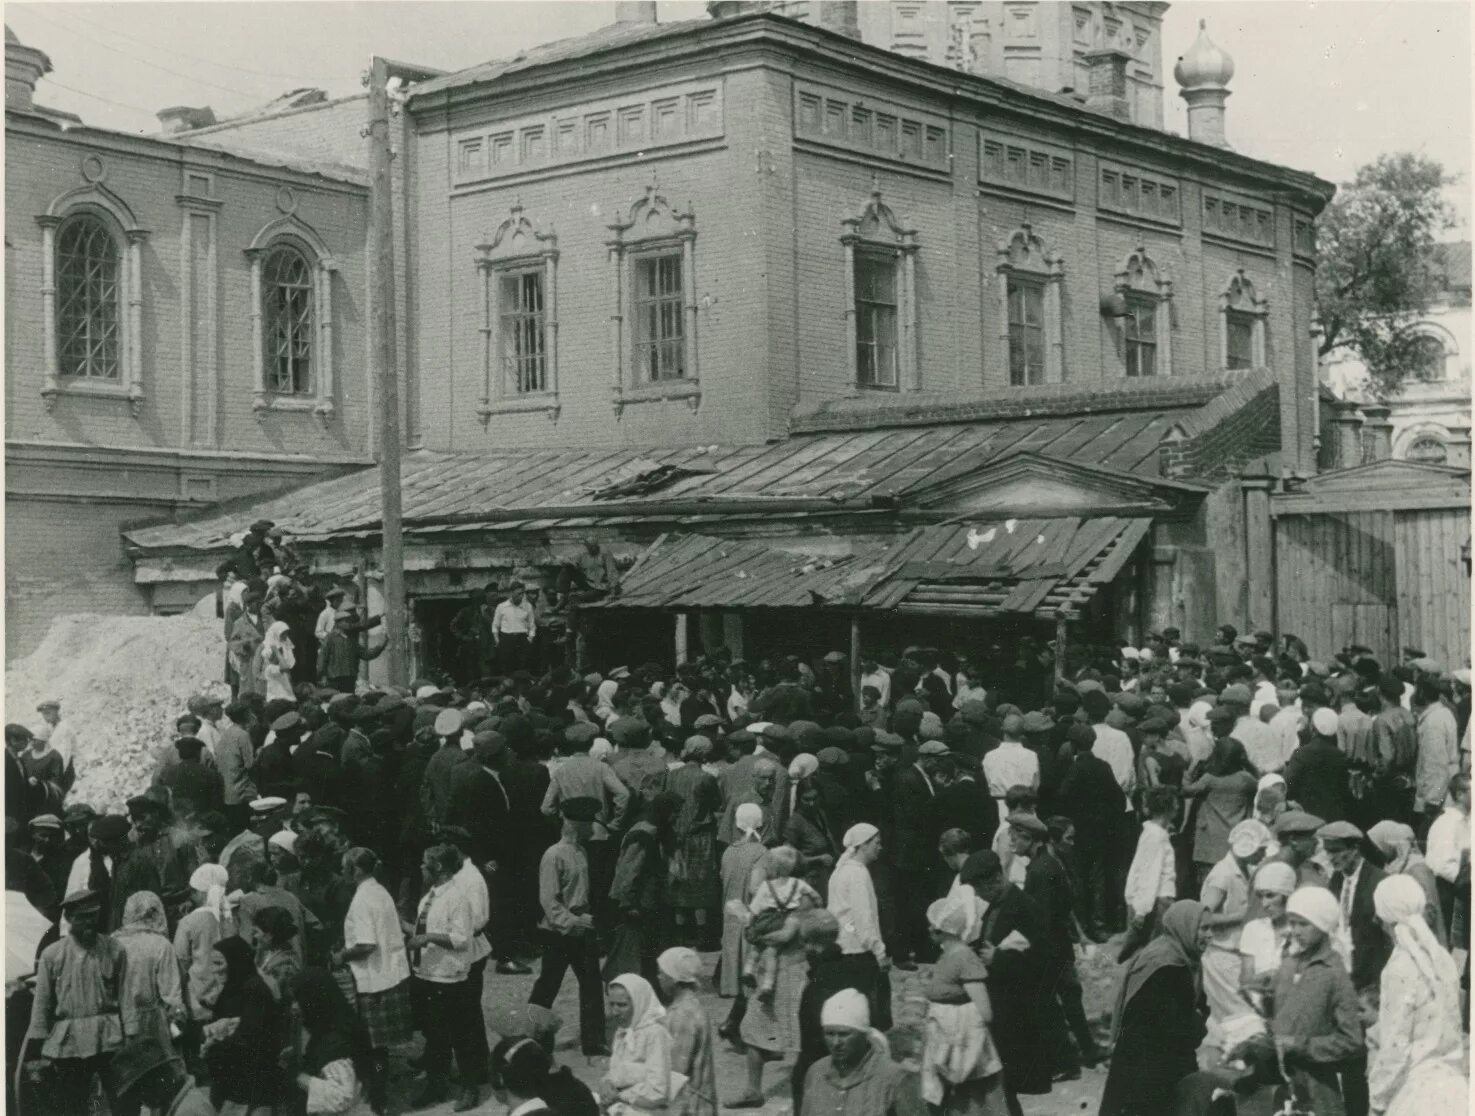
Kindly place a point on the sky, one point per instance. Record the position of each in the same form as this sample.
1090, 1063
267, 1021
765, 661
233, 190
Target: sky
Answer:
1323, 87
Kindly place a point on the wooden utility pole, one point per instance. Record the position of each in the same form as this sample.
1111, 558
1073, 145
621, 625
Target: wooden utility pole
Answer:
382, 355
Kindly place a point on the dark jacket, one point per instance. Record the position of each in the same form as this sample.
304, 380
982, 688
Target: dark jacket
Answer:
478, 806
1316, 779
1014, 979
194, 787
1091, 798
1047, 884
965, 804
1371, 947
1156, 1046
916, 821
1316, 1008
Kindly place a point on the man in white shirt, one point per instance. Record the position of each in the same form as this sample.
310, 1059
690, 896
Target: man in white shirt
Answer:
1152, 881
1285, 725
1448, 847
328, 618
514, 625
1260, 744
852, 897
1113, 746
1010, 764
473, 885
439, 946
874, 674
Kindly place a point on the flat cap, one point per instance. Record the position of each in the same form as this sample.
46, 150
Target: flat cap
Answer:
1238, 694
832, 757
267, 804
888, 741
1297, 821
78, 811
1339, 831
707, 720
46, 821
109, 827
933, 748
487, 745
81, 898
835, 657
580, 732
1029, 823
286, 721
448, 722
1222, 715
1037, 720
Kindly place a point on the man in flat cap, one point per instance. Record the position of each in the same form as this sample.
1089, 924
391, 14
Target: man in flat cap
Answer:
76, 1016
567, 926
1296, 832
48, 850
268, 815
1353, 881
435, 791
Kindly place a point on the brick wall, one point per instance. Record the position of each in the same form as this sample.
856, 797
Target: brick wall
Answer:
771, 268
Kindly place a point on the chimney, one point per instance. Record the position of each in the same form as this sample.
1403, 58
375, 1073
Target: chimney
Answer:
184, 118
24, 67
841, 17
726, 9
1377, 433
1458, 446
1347, 434
1106, 89
1203, 75
635, 11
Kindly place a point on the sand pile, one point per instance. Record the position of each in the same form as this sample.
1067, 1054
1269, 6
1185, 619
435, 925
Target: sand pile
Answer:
121, 681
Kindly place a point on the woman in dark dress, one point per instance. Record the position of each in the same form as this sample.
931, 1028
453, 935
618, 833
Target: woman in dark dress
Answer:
245, 1036
1157, 1027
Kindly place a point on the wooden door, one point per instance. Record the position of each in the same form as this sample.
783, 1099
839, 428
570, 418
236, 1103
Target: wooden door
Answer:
1336, 576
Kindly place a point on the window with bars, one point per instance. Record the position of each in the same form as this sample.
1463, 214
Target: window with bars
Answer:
88, 266
660, 348
1026, 332
287, 307
875, 320
523, 335
1141, 337
1239, 339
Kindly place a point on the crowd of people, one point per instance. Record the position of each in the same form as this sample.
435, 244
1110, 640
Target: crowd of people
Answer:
1276, 849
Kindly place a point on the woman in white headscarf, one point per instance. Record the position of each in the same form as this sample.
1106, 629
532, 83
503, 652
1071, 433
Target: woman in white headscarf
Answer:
738, 862
1416, 1068
604, 700
197, 933
1227, 907
852, 900
961, 1070
1262, 942
639, 1076
692, 1048
277, 661
1402, 858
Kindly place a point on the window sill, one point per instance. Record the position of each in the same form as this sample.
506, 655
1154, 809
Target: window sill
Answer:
689, 391
87, 389
287, 404
546, 402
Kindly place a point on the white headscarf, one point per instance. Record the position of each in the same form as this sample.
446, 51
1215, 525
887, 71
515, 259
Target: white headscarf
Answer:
211, 879
604, 698
277, 644
856, 836
1317, 906
645, 1006
749, 820
1400, 900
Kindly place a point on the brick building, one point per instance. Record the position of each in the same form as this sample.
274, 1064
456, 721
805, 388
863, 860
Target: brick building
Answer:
751, 276
184, 326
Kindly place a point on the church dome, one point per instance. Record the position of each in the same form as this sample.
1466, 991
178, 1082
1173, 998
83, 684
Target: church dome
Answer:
1204, 63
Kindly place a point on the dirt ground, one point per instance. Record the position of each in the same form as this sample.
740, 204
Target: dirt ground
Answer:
1097, 973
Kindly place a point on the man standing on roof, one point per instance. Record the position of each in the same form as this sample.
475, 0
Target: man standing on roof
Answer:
514, 626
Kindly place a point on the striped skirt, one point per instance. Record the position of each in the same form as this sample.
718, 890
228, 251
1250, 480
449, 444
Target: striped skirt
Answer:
387, 1015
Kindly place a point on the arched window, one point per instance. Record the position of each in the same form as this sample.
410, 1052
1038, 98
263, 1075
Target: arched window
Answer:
287, 303
1428, 449
1428, 356
88, 314
1031, 325
1243, 317
1144, 316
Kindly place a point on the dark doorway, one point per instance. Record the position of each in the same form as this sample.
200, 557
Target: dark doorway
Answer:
441, 656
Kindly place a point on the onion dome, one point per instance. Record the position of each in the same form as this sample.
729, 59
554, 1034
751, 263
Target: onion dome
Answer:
1204, 64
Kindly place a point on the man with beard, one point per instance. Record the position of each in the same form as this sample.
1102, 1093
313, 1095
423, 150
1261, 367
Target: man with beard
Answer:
76, 1017
49, 851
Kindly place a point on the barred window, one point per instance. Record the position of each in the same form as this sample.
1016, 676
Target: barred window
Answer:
660, 350
523, 335
288, 307
87, 299
1141, 337
875, 320
1026, 332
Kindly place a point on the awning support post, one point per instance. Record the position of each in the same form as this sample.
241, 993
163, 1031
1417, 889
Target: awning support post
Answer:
1062, 631
681, 637
855, 660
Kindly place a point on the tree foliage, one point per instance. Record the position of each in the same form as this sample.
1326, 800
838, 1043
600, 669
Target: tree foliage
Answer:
1380, 266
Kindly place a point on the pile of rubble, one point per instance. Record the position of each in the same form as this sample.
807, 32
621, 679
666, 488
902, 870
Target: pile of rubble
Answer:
121, 681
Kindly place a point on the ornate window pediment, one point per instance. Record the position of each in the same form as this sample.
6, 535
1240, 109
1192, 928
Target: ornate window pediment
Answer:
1145, 324
880, 298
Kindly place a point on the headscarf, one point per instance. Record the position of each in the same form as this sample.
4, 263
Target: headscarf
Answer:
645, 1007
212, 880
850, 1009
856, 836
681, 964
240, 977
951, 916
749, 820
277, 641
144, 913
1400, 900
604, 698
1176, 944
1396, 841
1276, 876
1319, 907
1248, 837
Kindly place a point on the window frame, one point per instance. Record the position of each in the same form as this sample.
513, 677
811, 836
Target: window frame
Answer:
517, 247
511, 378
1029, 288
1137, 342
290, 231
1024, 262
1422, 437
1239, 324
300, 328
889, 258
1429, 342
1141, 284
1239, 302
642, 345
76, 218
875, 233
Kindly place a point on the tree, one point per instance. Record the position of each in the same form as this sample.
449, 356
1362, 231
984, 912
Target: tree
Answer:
1379, 266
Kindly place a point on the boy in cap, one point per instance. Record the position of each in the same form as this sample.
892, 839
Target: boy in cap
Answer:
1353, 881
76, 1016
567, 925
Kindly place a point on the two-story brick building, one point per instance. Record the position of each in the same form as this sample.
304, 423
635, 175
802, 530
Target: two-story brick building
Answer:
751, 276
184, 326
